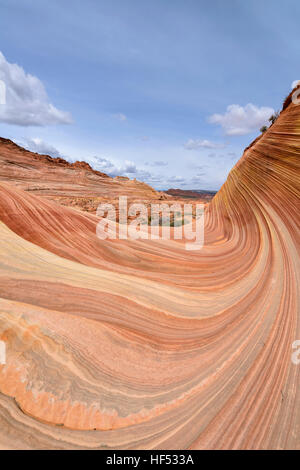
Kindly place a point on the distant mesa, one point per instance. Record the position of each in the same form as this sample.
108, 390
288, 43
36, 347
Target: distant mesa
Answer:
192, 194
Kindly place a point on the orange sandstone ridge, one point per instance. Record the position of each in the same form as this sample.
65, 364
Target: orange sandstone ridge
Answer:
141, 344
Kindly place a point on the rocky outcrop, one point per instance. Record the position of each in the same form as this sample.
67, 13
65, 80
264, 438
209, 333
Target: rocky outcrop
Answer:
75, 185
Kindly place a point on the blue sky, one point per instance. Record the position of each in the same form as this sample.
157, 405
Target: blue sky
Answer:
169, 92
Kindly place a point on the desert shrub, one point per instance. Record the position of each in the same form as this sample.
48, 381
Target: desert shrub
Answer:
274, 117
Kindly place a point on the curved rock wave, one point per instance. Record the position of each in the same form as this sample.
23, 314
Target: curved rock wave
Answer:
142, 344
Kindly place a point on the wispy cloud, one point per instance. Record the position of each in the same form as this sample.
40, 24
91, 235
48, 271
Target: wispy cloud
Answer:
156, 163
175, 179
120, 117
194, 144
27, 103
232, 155
242, 120
108, 166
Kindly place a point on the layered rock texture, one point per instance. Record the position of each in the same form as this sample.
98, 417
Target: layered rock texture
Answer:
121, 344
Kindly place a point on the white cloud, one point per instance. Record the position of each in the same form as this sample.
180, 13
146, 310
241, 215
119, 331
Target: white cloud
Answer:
157, 163
27, 103
128, 168
39, 146
295, 83
197, 178
103, 164
239, 120
175, 179
121, 117
192, 144
155, 179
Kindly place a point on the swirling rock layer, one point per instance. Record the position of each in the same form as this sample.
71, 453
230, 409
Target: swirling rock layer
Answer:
141, 344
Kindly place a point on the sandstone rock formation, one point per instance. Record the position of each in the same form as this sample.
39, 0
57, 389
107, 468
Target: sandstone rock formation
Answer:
71, 184
141, 344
